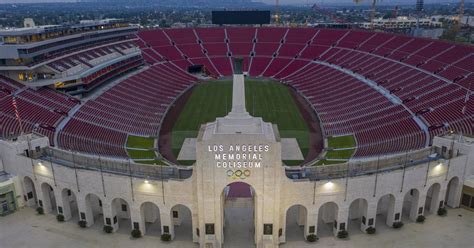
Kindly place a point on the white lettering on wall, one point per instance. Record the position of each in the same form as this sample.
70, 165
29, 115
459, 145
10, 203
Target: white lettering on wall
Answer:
238, 156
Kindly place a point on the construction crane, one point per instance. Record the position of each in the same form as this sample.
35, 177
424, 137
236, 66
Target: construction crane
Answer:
372, 14
277, 11
395, 12
461, 13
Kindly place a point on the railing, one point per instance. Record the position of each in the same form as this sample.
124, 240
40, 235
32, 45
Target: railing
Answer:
114, 166
379, 165
163, 172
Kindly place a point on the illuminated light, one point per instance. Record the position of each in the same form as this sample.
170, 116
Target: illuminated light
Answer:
147, 182
59, 84
329, 185
438, 167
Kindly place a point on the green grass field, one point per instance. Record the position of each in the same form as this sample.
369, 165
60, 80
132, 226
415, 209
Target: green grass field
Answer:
340, 154
140, 142
327, 162
335, 143
270, 100
146, 154
342, 141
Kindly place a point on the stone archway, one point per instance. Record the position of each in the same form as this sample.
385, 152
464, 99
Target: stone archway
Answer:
30, 192
432, 201
69, 206
121, 216
238, 201
453, 193
357, 215
94, 211
410, 205
150, 214
296, 217
386, 211
327, 219
49, 199
183, 223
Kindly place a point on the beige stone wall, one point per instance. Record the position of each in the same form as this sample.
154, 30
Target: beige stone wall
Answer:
275, 193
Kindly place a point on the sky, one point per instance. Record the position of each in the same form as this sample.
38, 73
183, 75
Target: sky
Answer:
325, 2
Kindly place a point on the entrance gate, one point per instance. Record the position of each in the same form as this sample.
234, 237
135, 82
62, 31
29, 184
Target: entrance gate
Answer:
242, 149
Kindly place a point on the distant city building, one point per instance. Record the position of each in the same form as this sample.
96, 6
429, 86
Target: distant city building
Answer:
401, 22
28, 23
466, 20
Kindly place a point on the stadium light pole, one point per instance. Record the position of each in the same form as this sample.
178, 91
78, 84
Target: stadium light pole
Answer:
52, 168
75, 171
450, 155
102, 177
30, 155
428, 167
347, 180
404, 170
376, 175
314, 191
131, 179
162, 183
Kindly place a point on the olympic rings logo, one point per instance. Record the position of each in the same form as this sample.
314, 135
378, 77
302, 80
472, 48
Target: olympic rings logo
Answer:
238, 174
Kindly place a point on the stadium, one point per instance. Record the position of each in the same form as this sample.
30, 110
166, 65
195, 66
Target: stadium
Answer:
306, 132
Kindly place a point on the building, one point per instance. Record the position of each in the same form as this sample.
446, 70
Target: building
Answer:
71, 58
466, 20
401, 22
8, 195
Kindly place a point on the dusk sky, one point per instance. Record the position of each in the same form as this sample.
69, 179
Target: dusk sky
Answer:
267, 1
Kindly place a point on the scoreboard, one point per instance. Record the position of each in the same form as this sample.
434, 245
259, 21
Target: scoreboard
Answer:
241, 17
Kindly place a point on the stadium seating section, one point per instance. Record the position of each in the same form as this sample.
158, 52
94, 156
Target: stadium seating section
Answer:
134, 106
340, 72
40, 111
90, 57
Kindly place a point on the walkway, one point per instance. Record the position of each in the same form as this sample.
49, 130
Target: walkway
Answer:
26, 229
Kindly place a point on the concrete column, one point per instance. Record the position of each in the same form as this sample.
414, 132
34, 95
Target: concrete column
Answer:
40, 198
64, 203
85, 208
195, 225
137, 217
395, 210
370, 217
441, 198
238, 97
342, 220
238, 94
311, 221
421, 204
167, 220
109, 213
